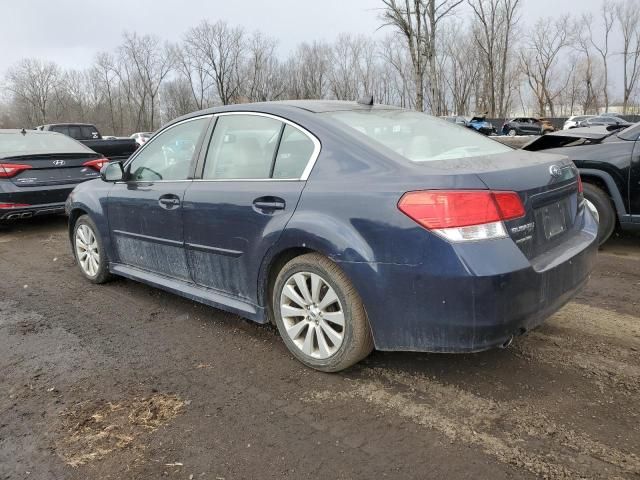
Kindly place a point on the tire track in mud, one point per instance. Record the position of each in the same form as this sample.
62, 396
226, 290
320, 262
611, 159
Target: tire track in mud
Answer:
512, 432
595, 342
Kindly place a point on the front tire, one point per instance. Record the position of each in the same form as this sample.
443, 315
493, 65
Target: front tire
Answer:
512, 132
89, 251
319, 314
606, 213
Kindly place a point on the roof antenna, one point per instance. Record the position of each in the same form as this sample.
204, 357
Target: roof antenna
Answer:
23, 131
366, 100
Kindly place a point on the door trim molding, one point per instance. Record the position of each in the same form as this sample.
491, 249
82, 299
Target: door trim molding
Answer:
149, 238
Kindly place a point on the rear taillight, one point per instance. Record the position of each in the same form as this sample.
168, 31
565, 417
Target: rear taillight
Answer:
96, 164
463, 215
580, 187
8, 170
6, 206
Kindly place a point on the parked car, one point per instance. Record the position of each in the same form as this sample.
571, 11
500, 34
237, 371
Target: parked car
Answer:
522, 126
608, 168
480, 124
118, 149
458, 120
348, 225
38, 170
574, 122
141, 137
604, 120
547, 126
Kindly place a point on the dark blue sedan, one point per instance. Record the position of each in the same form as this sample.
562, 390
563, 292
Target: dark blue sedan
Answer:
347, 225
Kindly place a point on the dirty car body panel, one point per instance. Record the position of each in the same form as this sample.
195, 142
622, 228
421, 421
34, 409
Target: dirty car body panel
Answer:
421, 291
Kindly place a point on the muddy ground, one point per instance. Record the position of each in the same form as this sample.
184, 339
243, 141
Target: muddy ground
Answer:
124, 381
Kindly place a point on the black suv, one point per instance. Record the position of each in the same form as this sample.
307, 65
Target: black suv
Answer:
609, 165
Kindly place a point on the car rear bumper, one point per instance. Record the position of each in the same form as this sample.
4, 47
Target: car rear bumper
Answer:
43, 200
478, 298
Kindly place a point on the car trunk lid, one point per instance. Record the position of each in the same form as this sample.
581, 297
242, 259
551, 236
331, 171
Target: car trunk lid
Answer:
547, 185
50, 169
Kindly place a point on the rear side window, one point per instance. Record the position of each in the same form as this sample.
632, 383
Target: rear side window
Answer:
75, 132
294, 153
62, 130
242, 147
416, 136
89, 132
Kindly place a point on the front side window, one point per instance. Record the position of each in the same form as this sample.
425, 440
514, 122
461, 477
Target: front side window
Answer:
415, 136
170, 155
242, 147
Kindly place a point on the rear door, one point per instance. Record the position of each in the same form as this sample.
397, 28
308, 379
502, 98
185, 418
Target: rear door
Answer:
145, 212
253, 173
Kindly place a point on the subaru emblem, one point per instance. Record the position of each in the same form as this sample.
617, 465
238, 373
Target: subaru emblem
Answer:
58, 163
555, 171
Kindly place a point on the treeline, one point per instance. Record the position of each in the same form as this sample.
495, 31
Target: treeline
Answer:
442, 56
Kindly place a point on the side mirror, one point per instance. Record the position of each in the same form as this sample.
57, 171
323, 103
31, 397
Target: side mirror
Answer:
112, 172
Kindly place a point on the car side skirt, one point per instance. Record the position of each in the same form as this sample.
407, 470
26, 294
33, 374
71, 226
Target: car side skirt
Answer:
193, 292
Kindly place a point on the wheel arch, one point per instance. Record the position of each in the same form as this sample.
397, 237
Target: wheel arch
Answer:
605, 182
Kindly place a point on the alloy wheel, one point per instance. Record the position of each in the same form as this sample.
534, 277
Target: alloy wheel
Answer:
312, 315
87, 251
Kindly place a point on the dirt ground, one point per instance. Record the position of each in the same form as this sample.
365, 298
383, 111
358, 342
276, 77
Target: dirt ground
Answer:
124, 381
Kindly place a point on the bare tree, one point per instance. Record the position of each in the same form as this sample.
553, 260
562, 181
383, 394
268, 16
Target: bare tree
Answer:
464, 67
417, 22
583, 46
608, 16
34, 82
192, 65
152, 62
540, 57
628, 17
222, 48
263, 72
495, 23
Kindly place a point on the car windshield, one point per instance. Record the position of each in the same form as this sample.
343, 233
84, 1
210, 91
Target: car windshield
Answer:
418, 137
32, 143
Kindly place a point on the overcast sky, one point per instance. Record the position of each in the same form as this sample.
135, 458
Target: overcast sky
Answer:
70, 32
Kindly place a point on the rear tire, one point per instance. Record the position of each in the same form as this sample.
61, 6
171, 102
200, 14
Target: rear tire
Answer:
606, 213
512, 132
89, 252
309, 326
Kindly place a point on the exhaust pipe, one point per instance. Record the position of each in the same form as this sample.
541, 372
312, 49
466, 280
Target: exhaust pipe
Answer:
13, 216
26, 215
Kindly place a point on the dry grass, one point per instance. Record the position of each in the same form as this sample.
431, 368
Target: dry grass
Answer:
95, 429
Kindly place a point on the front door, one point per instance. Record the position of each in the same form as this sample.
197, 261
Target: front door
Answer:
145, 211
252, 178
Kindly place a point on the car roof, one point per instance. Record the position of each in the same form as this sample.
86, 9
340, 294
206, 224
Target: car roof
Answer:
313, 106
281, 107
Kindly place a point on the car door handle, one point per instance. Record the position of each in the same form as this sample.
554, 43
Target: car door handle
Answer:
169, 202
269, 204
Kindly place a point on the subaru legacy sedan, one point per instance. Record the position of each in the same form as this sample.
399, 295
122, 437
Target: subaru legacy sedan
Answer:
349, 226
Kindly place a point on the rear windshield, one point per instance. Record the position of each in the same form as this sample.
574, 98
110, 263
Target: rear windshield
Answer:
32, 143
418, 137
